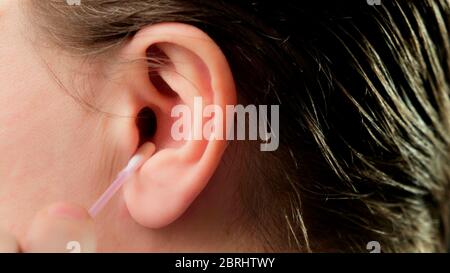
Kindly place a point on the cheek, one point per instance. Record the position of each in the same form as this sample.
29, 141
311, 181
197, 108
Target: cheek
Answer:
47, 155
46, 144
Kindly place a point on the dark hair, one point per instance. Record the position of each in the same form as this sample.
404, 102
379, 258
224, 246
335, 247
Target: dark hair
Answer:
365, 110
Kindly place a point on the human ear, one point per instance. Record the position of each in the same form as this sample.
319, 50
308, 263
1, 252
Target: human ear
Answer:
192, 69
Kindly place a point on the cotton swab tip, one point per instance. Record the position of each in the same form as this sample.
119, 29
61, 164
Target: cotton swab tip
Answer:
144, 153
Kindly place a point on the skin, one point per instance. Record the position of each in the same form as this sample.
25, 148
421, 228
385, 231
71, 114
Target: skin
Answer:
55, 149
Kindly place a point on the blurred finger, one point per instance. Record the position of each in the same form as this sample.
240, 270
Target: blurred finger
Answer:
8, 243
62, 227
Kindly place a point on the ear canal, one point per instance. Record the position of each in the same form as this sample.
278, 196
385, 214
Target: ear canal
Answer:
146, 124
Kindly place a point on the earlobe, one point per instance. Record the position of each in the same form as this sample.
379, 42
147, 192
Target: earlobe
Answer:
195, 68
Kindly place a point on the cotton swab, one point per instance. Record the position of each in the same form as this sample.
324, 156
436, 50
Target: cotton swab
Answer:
144, 153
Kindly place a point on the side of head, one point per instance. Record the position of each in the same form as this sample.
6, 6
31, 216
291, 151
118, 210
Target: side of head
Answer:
364, 118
